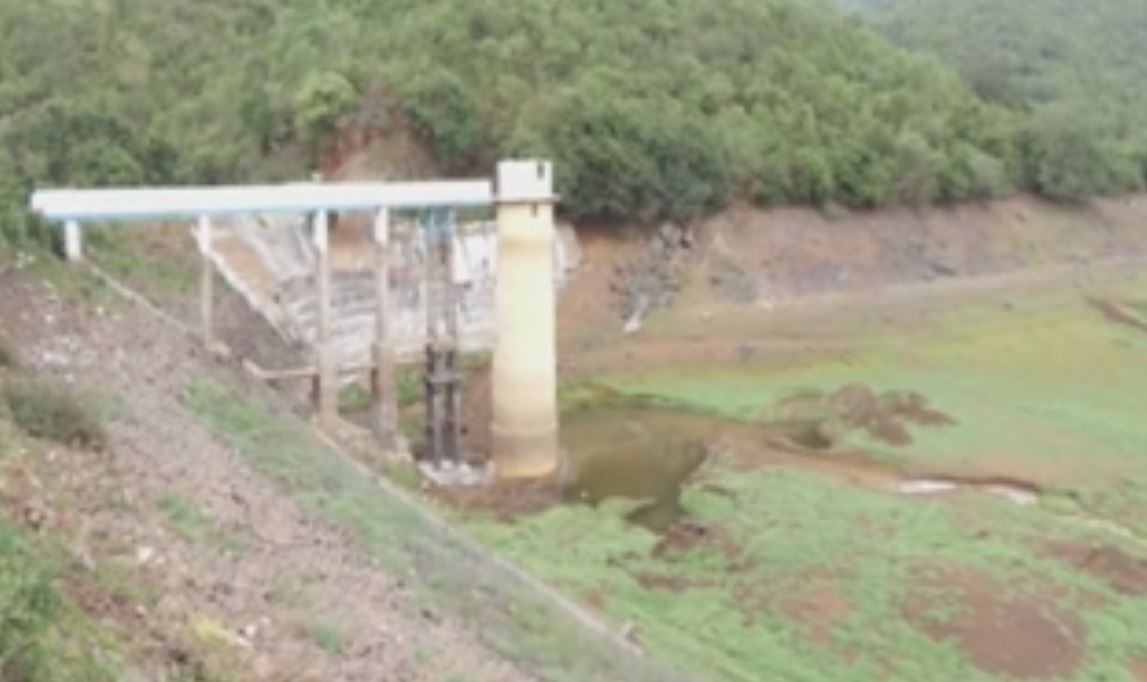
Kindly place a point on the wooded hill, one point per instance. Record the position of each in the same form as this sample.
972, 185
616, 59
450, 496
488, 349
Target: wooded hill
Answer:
1075, 71
651, 108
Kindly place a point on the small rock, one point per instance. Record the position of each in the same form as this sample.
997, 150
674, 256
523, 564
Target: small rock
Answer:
144, 555
688, 240
84, 558
629, 633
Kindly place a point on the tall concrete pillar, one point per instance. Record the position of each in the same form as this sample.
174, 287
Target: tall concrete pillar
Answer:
326, 389
524, 378
383, 385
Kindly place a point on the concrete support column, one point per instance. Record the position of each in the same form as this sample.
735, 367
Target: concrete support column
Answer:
383, 384
326, 388
206, 280
73, 243
524, 377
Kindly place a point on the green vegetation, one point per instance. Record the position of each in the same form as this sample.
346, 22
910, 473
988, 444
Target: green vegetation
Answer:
54, 412
132, 260
28, 601
411, 384
1072, 71
354, 398
328, 637
788, 584
195, 526
1062, 380
514, 618
650, 108
187, 519
41, 638
787, 581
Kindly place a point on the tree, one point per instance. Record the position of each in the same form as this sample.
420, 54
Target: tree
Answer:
445, 115
1065, 157
322, 100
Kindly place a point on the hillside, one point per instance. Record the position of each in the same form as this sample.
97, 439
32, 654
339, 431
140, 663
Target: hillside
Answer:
651, 108
1073, 70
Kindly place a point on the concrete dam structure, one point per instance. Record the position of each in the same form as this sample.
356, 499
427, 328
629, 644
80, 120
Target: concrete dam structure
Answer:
270, 261
370, 275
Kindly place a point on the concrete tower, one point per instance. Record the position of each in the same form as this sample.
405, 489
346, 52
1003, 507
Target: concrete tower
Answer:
524, 381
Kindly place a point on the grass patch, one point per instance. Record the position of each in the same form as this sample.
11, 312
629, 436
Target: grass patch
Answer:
120, 581
411, 386
1034, 390
30, 604
42, 639
403, 473
191, 523
54, 412
1139, 308
195, 526
127, 258
73, 281
582, 396
509, 615
772, 534
354, 398
327, 636
1048, 389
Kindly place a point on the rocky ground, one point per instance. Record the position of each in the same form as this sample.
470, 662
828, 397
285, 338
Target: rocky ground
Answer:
745, 256
201, 563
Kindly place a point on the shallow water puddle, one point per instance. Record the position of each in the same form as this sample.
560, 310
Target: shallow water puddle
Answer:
650, 454
642, 455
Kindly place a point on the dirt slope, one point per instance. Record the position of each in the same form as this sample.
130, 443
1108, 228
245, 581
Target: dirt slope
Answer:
218, 563
749, 282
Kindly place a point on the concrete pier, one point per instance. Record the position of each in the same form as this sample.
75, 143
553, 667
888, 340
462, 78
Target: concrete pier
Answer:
524, 377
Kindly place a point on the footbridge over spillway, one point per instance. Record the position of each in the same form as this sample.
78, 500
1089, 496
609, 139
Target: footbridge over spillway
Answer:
369, 274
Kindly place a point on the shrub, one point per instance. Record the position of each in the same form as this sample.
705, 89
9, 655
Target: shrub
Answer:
54, 412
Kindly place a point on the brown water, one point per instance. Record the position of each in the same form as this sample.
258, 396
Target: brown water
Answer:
635, 454
650, 454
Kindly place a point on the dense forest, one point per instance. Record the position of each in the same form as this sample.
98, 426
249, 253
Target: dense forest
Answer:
1076, 72
651, 108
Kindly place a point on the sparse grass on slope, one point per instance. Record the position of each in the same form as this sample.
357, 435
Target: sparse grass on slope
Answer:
508, 615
